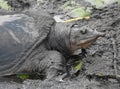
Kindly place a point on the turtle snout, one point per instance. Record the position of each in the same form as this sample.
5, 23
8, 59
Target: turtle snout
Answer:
99, 34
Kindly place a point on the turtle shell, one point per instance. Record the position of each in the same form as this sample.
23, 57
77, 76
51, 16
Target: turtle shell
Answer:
19, 32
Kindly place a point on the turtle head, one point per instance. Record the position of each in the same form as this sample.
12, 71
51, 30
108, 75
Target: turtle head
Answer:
83, 37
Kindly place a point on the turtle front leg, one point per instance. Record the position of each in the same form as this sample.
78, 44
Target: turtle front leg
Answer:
55, 65
48, 63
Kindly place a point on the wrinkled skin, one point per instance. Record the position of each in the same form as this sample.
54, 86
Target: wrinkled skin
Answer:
48, 55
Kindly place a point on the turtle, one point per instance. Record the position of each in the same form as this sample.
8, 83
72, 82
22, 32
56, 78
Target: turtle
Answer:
33, 42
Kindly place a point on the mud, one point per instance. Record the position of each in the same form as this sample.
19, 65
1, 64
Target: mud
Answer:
102, 64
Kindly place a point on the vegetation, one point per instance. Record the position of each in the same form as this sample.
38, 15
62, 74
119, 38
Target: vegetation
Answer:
78, 66
4, 5
101, 3
23, 76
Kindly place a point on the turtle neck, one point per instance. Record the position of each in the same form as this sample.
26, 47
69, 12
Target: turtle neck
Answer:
59, 38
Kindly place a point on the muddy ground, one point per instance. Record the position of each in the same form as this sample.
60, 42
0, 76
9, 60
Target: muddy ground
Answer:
102, 64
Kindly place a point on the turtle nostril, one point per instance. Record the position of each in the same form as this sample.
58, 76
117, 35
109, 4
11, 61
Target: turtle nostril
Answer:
101, 34
83, 31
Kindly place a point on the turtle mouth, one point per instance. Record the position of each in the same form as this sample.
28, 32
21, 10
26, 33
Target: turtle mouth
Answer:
86, 43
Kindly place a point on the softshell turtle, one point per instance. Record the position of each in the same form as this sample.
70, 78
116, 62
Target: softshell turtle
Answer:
35, 43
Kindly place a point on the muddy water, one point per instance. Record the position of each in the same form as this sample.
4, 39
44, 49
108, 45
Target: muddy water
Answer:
100, 59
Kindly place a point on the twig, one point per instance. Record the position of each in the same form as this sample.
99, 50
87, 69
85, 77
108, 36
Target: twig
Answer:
78, 18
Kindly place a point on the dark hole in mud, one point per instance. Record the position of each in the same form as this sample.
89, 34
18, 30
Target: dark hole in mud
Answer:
19, 4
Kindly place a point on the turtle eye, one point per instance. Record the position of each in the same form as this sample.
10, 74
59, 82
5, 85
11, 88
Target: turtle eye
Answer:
83, 31
75, 25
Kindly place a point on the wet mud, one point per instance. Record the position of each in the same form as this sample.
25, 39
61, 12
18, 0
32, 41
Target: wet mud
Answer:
102, 64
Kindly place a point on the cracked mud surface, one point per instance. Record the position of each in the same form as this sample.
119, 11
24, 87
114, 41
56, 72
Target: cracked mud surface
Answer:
103, 57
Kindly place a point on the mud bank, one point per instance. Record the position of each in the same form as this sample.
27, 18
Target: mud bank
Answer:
102, 61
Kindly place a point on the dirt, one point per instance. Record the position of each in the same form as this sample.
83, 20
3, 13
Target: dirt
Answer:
102, 64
